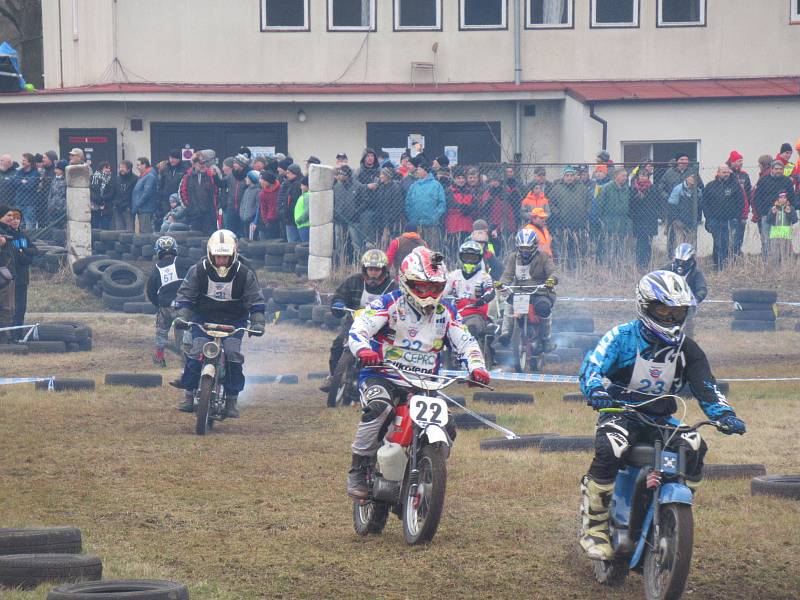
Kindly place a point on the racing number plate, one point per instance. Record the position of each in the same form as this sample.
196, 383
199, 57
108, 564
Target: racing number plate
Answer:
428, 411
521, 303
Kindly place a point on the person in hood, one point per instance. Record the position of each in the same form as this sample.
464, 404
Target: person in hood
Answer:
369, 167
425, 201
123, 196
57, 195
24, 252
170, 174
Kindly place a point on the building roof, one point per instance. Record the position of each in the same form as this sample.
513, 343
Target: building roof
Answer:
586, 91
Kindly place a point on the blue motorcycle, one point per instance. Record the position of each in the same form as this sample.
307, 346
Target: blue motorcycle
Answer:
650, 515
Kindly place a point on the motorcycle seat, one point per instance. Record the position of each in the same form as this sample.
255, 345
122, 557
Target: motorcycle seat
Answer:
640, 455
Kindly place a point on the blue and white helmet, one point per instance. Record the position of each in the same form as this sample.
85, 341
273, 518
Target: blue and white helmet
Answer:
527, 243
164, 245
684, 261
663, 299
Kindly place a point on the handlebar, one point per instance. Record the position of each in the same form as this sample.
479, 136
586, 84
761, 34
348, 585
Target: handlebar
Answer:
521, 289
229, 329
430, 386
633, 409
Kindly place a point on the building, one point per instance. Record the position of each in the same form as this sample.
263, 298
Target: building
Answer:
536, 80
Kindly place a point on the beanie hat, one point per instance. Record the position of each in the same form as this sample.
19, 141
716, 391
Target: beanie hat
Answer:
569, 169
62, 164
734, 156
246, 151
279, 156
313, 160
242, 161
228, 162
52, 155
285, 163
443, 161
785, 147
174, 198
295, 168
346, 171
269, 176
175, 153
421, 161
388, 172
253, 176
4, 210
304, 181
480, 225
603, 155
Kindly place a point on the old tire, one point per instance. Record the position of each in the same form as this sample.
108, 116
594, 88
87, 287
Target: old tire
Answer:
141, 380
764, 314
80, 265
64, 384
568, 443
40, 540
123, 280
294, 296
574, 397
29, 570
784, 486
503, 398
746, 471
94, 272
127, 589
58, 331
520, 443
139, 308
761, 296
13, 349
118, 302
467, 421
318, 313
743, 325
46, 347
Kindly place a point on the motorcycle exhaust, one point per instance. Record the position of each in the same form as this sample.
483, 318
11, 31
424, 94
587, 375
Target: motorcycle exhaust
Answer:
384, 490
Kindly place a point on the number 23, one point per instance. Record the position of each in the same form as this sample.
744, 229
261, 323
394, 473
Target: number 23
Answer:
646, 385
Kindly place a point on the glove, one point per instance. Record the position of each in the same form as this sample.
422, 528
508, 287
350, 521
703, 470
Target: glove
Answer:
337, 309
600, 399
184, 316
480, 376
369, 358
258, 323
730, 424
550, 282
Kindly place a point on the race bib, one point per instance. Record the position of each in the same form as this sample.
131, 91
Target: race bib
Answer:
168, 274
522, 272
521, 303
221, 291
410, 360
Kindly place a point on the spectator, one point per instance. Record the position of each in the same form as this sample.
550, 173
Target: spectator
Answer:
646, 165
781, 217
534, 199
259, 163
683, 206
785, 156
722, 205
644, 209
46, 173
600, 177
440, 163
611, 215
24, 252
425, 201
267, 219
368, 172
284, 164
101, 193
249, 204
538, 222
235, 184
8, 269
227, 169
604, 158
123, 196
144, 198
406, 168
767, 192
584, 176
540, 178
292, 186
345, 212
26, 185
390, 201
199, 193
77, 157
461, 203
480, 234
174, 219
170, 174
401, 246
735, 162
502, 216
57, 195
7, 173
513, 186
476, 188
312, 160
341, 160
301, 211
384, 160
570, 202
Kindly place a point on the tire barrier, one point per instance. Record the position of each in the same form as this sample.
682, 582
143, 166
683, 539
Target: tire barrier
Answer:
61, 384
141, 380
40, 540
522, 442
27, 571
567, 443
713, 472
783, 486
138, 589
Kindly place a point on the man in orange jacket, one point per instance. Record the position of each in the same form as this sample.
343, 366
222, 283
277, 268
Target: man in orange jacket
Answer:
538, 222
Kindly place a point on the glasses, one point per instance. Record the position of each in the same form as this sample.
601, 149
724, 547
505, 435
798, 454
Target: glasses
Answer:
426, 289
669, 314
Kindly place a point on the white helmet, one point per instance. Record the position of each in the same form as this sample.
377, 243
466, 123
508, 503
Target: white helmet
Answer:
222, 243
663, 299
423, 276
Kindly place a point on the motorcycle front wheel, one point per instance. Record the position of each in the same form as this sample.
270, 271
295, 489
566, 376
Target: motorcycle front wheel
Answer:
519, 346
423, 506
341, 390
369, 517
203, 404
667, 559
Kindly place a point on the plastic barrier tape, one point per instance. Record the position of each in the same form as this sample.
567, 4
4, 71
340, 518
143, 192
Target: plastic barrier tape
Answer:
546, 378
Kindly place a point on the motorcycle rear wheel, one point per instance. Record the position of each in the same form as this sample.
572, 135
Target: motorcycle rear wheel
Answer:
423, 510
667, 560
369, 517
203, 404
341, 390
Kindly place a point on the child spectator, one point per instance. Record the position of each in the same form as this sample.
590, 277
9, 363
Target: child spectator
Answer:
173, 221
534, 199
781, 218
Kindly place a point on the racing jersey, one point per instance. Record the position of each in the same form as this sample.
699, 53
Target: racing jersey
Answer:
640, 369
409, 340
467, 291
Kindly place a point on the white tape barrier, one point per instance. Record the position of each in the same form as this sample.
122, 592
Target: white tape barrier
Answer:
631, 300
546, 378
13, 380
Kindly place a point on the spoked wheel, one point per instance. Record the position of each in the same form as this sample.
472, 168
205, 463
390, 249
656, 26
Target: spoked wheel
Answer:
341, 390
667, 559
369, 517
610, 572
423, 506
519, 347
204, 404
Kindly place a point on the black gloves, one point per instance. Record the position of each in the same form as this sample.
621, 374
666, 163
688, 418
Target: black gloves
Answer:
258, 323
184, 317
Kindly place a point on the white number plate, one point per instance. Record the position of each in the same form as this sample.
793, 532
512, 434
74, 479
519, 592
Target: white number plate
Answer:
428, 411
521, 303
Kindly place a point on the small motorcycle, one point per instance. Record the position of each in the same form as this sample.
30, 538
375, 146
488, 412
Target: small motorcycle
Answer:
524, 347
209, 396
650, 515
409, 476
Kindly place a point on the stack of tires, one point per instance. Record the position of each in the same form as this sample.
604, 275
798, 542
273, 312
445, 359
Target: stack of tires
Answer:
574, 336
293, 305
120, 284
74, 337
51, 258
755, 310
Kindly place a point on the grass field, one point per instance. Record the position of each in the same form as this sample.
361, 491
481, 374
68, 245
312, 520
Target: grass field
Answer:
257, 509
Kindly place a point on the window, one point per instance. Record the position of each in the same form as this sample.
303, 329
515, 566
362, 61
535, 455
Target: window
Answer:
483, 14
681, 13
795, 11
351, 15
284, 15
615, 13
547, 14
660, 153
417, 14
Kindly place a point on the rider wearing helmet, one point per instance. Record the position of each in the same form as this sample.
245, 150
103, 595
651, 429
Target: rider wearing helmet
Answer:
162, 288
684, 264
472, 288
528, 266
406, 328
355, 292
642, 360
219, 289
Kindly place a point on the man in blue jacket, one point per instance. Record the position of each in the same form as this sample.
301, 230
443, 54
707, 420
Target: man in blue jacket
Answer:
144, 200
425, 200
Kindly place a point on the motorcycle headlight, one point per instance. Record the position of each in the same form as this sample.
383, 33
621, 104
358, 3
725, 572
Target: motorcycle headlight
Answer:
210, 350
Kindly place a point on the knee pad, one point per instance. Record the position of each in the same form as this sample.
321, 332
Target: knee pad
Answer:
376, 409
612, 436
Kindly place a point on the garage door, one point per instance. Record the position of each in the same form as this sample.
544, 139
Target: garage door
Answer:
224, 138
474, 142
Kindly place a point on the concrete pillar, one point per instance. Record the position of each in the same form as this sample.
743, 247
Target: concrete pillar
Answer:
320, 247
79, 217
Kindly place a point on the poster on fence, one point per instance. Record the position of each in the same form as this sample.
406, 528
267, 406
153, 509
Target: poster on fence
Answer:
451, 152
263, 151
394, 154
416, 143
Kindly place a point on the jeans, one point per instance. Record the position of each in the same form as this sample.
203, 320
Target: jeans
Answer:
721, 232
361, 230
738, 226
292, 234
644, 249
145, 222
763, 229
304, 233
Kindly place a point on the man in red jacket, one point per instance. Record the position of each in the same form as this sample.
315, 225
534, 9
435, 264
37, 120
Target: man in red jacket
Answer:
267, 219
735, 162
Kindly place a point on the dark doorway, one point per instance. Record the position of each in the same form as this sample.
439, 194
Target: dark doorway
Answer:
224, 138
98, 145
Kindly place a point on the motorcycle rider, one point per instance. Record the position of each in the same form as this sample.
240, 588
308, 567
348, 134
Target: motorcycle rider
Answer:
355, 292
528, 266
472, 288
162, 288
684, 263
220, 289
406, 328
642, 359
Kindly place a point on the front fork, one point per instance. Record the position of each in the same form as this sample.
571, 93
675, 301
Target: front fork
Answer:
413, 471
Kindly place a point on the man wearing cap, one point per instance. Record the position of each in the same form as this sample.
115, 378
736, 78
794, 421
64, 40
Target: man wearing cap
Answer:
292, 188
767, 191
425, 201
170, 174
341, 160
682, 199
722, 207
76, 157
538, 222
735, 162
236, 185
199, 192
480, 234
570, 202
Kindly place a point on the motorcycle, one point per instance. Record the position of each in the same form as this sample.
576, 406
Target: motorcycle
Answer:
409, 476
524, 347
650, 515
209, 396
343, 390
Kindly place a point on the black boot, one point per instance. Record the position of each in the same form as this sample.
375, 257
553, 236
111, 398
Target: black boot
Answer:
357, 477
231, 410
187, 405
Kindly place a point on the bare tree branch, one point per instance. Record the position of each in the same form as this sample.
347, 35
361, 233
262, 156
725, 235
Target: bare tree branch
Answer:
11, 17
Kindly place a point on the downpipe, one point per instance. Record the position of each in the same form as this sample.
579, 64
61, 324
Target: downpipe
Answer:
593, 115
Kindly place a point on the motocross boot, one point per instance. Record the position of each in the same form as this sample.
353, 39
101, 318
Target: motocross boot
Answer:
545, 345
326, 384
505, 329
231, 409
187, 405
595, 498
357, 477
159, 358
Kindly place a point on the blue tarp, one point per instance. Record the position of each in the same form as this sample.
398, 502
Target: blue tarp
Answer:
9, 62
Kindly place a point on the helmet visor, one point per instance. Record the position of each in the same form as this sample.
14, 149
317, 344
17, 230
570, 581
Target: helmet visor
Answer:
667, 315
426, 289
469, 258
